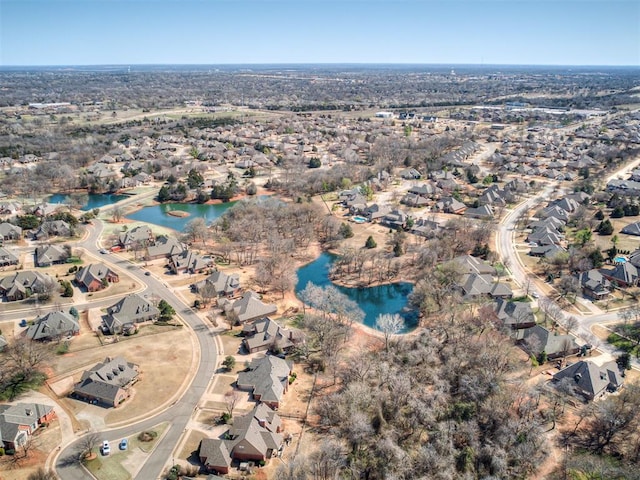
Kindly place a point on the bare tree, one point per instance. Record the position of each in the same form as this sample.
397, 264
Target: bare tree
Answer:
390, 325
42, 474
231, 399
86, 445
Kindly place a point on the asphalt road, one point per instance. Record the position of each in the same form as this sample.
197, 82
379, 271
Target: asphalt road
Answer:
506, 249
177, 414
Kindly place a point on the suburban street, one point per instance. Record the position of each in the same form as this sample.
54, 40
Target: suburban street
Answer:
506, 249
179, 413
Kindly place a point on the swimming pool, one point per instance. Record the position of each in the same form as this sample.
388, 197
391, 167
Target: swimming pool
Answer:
357, 219
619, 259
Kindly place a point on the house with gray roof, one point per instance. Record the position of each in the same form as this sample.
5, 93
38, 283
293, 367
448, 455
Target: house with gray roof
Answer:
590, 380
53, 326
18, 422
128, 311
7, 257
471, 264
48, 255
23, 284
255, 436
450, 205
267, 378
538, 339
475, 285
624, 274
224, 285
52, 228
3, 343
189, 261
248, 307
481, 212
515, 315
140, 235
164, 247
267, 334
95, 277
107, 383
594, 285
10, 232
632, 229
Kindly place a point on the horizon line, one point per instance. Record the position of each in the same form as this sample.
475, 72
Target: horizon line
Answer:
124, 65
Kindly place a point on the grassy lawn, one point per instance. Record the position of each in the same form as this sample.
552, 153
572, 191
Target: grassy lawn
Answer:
624, 344
113, 467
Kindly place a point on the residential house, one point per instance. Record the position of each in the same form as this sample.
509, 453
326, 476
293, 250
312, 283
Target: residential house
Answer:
255, 436
23, 284
450, 205
425, 228
46, 209
546, 251
164, 247
545, 236
140, 235
623, 275
376, 212
515, 315
53, 326
471, 264
396, 219
410, 174
107, 383
96, 276
48, 255
189, 261
538, 339
7, 258
224, 285
474, 285
247, 308
632, 229
10, 232
413, 200
128, 311
52, 228
590, 380
267, 378
266, 334
594, 285
18, 422
481, 212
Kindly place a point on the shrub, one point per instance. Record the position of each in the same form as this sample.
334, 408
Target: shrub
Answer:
370, 243
147, 436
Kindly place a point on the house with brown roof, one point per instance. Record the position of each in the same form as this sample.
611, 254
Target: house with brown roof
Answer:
255, 436
96, 276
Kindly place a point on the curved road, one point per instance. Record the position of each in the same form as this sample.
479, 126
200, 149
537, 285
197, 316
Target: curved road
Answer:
505, 247
179, 413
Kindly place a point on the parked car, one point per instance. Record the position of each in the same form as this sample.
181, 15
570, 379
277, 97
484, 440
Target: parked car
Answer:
23, 322
103, 251
106, 448
124, 443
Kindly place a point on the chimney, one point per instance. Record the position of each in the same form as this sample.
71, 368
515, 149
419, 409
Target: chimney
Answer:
577, 377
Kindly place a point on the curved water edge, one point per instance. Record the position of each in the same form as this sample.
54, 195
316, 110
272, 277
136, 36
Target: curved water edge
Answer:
388, 298
94, 200
162, 215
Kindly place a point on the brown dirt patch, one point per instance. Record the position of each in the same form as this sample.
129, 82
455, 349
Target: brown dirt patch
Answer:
191, 444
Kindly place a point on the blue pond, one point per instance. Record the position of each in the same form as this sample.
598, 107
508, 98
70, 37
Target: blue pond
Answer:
373, 301
94, 200
158, 214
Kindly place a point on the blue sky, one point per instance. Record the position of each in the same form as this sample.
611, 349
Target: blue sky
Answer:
543, 32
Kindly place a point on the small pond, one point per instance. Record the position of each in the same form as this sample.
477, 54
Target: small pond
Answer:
94, 200
159, 214
373, 301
